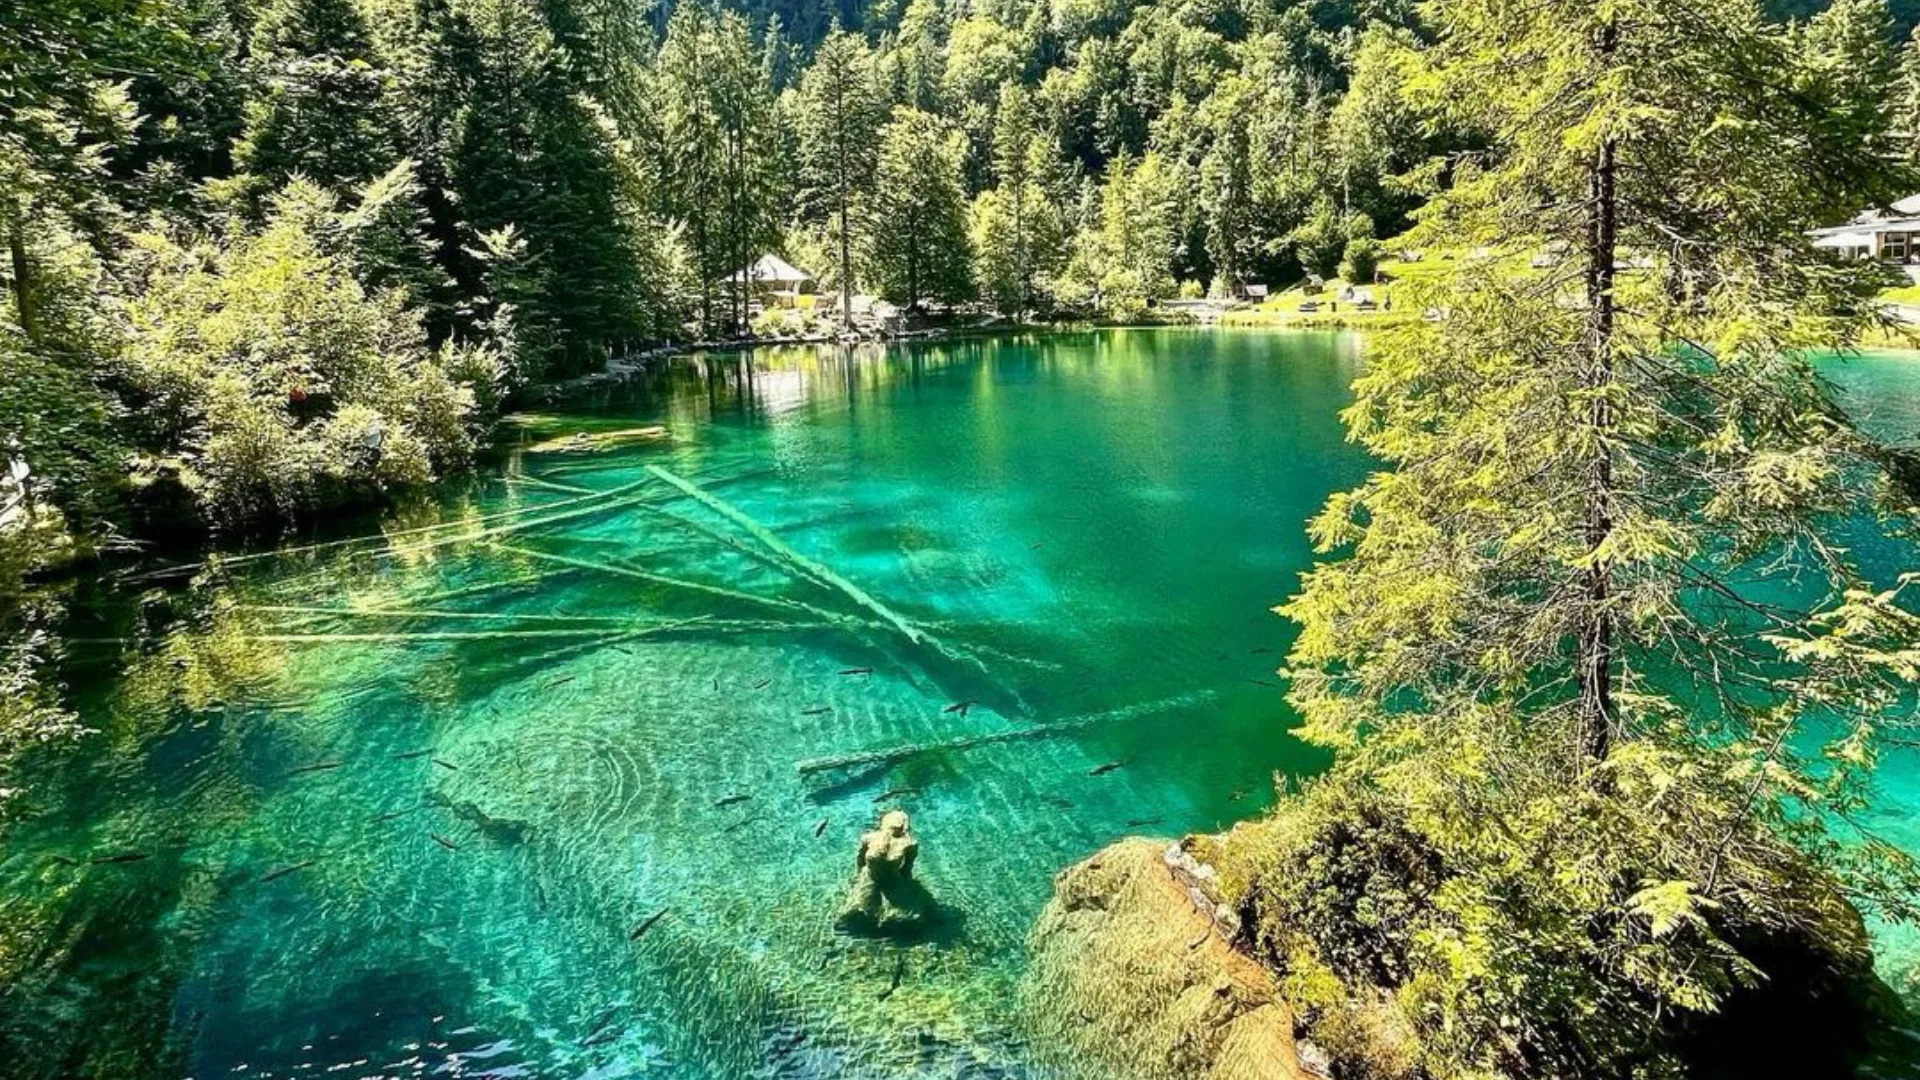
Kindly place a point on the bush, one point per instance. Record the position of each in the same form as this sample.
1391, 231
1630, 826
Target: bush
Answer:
280, 385
1360, 263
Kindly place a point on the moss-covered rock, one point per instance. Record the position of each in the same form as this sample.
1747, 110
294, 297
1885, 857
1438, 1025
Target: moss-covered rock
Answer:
1130, 973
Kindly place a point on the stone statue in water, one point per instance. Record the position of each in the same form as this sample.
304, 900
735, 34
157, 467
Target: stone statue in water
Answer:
884, 892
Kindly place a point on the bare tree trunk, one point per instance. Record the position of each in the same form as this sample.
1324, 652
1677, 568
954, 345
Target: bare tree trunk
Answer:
22, 273
1596, 645
840, 188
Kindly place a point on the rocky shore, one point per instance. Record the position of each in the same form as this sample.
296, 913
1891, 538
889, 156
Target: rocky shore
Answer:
1133, 970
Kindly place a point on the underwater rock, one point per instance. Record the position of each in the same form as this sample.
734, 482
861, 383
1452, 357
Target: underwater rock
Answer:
884, 893
1130, 974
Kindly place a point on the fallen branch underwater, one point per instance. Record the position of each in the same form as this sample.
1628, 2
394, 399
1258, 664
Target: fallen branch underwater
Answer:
606, 635
430, 613
672, 582
896, 754
797, 562
519, 512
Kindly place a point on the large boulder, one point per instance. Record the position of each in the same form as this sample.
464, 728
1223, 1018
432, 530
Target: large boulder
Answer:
1132, 976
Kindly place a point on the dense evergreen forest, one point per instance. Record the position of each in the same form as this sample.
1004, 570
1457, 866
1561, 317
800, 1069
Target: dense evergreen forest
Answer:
272, 259
289, 255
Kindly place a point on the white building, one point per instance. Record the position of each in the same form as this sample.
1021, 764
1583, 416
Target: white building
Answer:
1891, 234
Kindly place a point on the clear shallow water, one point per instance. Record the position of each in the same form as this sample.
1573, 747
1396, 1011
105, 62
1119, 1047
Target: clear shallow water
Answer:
418, 839
1089, 529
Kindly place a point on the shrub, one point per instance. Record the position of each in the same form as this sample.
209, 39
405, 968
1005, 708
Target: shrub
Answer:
1360, 263
284, 387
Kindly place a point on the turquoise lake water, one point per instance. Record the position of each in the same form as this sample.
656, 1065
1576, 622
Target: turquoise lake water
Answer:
525, 796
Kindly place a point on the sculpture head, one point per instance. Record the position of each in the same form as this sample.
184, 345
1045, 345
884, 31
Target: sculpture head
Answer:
894, 823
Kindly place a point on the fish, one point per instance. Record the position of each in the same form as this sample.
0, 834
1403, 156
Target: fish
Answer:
818, 710
1237, 795
788, 1045
498, 830
961, 707
1055, 800
762, 684
598, 1028
899, 970
276, 875
444, 842
599, 1037
820, 828
391, 814
1264, 682
730, 800
562, 681
624, 649
1035, 546
412, 754
856, 671
891, 792
122, 857
744, 822
1258, 650
1102, 770
1134, 823
447, 765
322, 766
636, 933
1199, 941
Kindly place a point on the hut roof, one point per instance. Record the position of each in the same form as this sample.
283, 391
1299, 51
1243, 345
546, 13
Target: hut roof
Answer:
771, 270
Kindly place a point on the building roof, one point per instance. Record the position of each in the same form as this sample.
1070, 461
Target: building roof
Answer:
1844, 241
1900, 214
771, 270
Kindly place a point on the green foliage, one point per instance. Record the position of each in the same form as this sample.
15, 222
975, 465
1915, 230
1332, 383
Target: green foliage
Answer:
838, 114
917, 215
322, 111
1360, 261
1322, 239
1126, 264
1597, 650
295, 389
1424, 942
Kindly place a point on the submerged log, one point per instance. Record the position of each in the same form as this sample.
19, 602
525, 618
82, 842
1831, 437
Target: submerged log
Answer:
896, 754
671, 582
799, 563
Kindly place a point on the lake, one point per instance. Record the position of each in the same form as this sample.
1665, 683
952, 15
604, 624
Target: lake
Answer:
540, 780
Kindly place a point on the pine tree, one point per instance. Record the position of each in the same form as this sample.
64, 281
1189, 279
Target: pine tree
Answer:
1563, 654
916, 217
839, 138
322, 111
1020, 155
532, 153
719, 140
